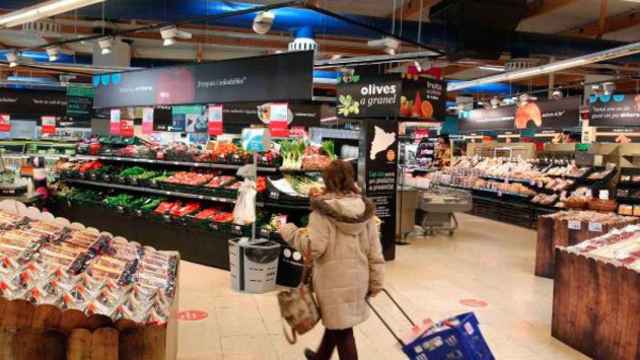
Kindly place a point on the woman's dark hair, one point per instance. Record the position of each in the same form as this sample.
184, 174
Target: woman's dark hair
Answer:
444, 137
338, 178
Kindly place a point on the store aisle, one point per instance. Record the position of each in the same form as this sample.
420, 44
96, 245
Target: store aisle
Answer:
486, 265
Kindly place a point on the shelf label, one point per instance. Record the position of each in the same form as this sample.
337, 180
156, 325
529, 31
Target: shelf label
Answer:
279, 119
48, 124
5, 123
574, 225
604, 195
595, 227
114, 122
147, 121
215, 120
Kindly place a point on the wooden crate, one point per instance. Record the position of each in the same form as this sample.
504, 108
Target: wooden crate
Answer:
29, 332
596, 306
555, 231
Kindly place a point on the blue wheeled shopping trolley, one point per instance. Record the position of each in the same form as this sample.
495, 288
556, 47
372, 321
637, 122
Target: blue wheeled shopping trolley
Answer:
457, 338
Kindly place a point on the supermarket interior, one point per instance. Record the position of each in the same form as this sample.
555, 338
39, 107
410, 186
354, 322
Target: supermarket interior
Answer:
421, 179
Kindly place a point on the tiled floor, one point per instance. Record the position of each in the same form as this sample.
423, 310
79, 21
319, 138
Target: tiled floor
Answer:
484, 260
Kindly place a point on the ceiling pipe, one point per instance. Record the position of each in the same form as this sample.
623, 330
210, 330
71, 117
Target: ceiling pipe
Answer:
614, 53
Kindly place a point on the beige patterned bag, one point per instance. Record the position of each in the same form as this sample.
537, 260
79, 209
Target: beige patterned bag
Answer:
299, 306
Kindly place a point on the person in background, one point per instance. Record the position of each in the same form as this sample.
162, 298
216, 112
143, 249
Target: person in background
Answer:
343, 237
443, 151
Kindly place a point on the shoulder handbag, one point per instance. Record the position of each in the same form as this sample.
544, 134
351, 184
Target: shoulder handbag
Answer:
298, 306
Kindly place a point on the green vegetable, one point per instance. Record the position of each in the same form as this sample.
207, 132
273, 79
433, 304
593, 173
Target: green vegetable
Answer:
330, 148
132, 171
119, 200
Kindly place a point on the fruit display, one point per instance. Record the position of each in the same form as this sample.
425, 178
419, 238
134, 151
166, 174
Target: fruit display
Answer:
189, 178
47, 263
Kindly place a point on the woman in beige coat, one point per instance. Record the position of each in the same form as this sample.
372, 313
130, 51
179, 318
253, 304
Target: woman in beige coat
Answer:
348, 264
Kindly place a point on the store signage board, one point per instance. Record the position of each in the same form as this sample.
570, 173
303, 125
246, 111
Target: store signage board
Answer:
378, 165
48, 124
620, 110
215, 120
391, 96
555, 114
114, 122
80, 101
36, 102
279, 120
5, 123
266, 78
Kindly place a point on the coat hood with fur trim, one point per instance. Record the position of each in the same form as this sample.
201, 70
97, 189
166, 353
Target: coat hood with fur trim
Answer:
350, 213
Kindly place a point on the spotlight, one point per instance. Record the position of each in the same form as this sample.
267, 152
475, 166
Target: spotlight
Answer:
263, 22
53, 52
12, 58
495, 102
556, 94
105, 45
170, 33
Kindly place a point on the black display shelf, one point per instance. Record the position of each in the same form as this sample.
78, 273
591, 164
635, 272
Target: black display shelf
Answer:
208, 165
195, 243
112, 185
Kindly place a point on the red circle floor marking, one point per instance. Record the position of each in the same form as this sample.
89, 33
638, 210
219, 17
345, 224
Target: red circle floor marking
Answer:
192, 315
474, 303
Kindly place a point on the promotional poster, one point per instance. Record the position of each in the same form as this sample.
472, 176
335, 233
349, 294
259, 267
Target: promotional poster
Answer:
22, 103
554, 114
378, 165
615, 110
391, 95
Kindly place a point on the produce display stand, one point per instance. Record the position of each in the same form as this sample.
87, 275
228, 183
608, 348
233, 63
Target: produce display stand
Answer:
553, 231
30, 331
596, 306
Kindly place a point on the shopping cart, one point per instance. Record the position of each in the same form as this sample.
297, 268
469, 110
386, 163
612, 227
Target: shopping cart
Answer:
437, 208
457, 338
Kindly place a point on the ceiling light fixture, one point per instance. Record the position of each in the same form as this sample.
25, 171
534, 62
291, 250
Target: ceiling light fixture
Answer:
12, 58
105, 44
53, 52
614, 53
43, 10
263, 21
491, 68
170, 33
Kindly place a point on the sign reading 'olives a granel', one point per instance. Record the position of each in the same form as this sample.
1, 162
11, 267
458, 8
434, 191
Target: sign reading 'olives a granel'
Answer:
391, 96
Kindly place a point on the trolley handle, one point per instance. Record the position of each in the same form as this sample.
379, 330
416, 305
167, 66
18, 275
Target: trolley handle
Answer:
384, 322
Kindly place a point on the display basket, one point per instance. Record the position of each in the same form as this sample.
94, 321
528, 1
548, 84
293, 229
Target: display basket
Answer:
275, 195
455, 338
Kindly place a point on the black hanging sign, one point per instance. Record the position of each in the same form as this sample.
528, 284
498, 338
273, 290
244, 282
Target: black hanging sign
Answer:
265, 78
392, 96
615, 110
33, 102
554, 114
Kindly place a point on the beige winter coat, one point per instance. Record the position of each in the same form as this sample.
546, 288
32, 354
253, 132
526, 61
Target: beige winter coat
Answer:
347, 255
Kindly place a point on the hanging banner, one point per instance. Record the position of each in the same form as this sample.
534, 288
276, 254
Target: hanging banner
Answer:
25, 102
215, 120
266, 78
279, 119
114, 122
147, 121
391, 96
48, 124
614, 110
553, 114
126, 128
5, 123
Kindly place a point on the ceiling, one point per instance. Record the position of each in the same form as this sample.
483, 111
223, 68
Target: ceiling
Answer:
555, 22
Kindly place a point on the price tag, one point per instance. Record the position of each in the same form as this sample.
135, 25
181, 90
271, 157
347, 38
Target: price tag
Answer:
574, 225
215, 120
604, 195
595, 227
114, 122
5, 123
147, 121
48, 124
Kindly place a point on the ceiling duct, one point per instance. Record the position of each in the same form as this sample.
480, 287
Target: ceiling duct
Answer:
482, 29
